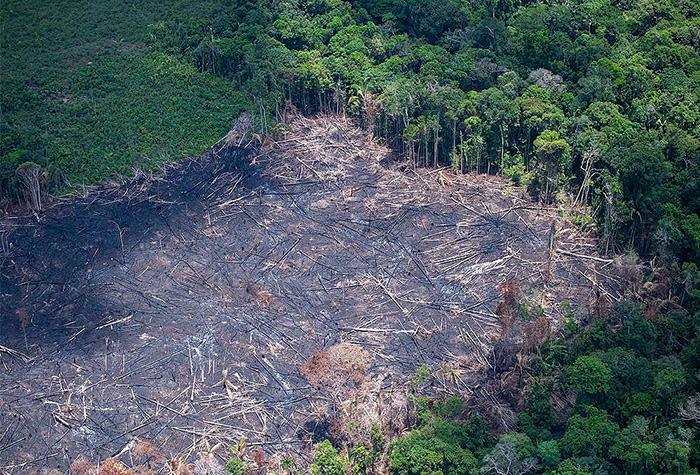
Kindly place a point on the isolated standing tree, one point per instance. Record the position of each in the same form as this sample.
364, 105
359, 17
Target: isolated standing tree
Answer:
552, 152
31, 175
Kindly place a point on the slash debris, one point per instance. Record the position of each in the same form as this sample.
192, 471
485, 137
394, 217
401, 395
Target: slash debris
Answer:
191, 308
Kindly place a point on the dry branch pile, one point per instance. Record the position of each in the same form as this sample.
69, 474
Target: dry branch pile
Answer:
206, 305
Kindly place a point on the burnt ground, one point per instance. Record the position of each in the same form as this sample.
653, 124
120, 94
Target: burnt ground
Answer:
179, 308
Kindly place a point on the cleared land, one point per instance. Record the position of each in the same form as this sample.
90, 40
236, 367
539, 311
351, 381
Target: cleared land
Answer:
183, 309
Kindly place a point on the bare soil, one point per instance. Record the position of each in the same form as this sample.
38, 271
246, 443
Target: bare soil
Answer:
184, 309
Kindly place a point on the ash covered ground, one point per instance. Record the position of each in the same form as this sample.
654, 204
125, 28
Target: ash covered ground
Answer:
269, 295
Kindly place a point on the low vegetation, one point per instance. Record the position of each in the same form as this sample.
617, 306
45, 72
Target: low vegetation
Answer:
85, 97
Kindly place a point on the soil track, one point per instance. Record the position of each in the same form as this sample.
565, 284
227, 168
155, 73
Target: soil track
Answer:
179, 309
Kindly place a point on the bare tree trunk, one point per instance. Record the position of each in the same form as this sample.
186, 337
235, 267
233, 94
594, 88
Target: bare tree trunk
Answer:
503, 142
4, 243
425, 157
435, 147
550, 252
454, 135
414, 160
213, 63
261, 111
582, 196
461, 152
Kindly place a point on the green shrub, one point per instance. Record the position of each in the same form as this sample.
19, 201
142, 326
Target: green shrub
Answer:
376, 436
235, 466
327, 461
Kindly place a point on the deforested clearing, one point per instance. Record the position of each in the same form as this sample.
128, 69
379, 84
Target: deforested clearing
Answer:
277, 293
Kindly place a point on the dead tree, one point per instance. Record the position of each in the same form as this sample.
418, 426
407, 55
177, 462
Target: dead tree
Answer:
370, 109
504, 459
550, 251
4, 243
240, 131
690, 411
31, 175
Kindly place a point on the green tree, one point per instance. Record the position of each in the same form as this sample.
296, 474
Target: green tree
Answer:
440, 447
548, 454
636, 449
590, 375
589, 433
668, 383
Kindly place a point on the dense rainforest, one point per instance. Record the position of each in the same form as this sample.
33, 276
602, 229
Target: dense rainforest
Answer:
593, 105
598, 99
